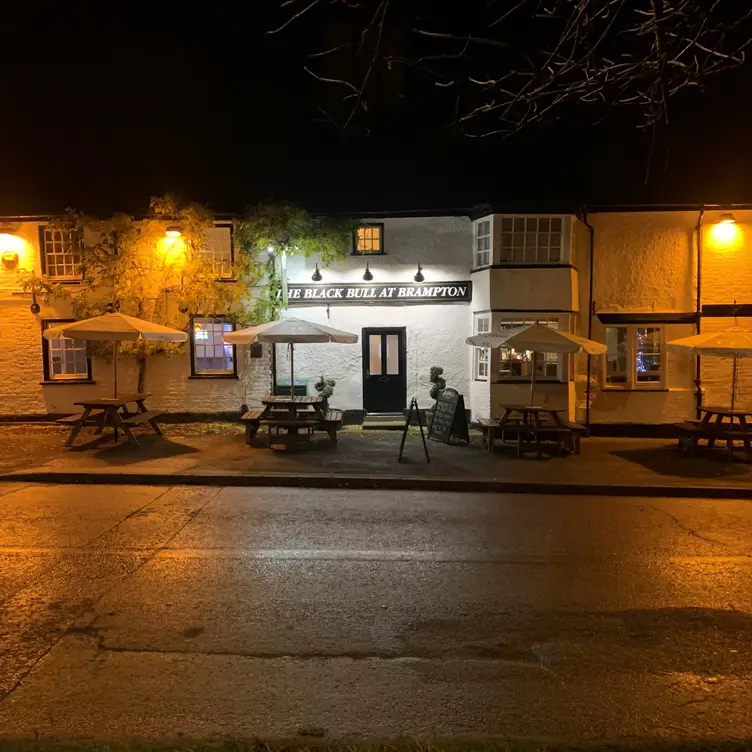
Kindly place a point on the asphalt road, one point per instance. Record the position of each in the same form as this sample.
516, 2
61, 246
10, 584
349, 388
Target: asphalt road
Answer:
145, 612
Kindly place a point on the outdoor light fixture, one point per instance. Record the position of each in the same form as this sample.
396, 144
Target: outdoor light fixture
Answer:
270, 251
367, 276
173, 231
727, 218
419, 276
316, 277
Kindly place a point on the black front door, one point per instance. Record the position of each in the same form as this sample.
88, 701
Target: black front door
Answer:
384, 370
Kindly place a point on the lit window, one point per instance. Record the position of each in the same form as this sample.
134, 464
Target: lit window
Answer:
65, 359
531, 240
482, 354
518, 364
212, 356
482, 243
634, 357
216, 250
369, 240
61, 252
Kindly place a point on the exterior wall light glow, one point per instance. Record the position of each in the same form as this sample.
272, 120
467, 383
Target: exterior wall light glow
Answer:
419, 276
727, 218
367, 276
316, 277
173, 231
725, 236
270, 251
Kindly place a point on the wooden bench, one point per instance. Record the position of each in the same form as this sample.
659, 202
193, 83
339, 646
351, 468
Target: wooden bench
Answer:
94, 418
131, 420
490, 428
251, 420
689, 433
331, 423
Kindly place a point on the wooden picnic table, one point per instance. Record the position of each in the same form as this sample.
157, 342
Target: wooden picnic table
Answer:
525, 421
720, 424
113, 412
293, 415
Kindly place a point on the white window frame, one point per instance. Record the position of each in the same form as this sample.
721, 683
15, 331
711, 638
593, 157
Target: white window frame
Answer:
543, 359
482, 242
60, 247
58, 348
482, 355
198, 353
217, 250
631, 383
526, 240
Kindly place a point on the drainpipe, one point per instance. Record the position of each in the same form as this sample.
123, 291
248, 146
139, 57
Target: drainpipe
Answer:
591, 306
698, 324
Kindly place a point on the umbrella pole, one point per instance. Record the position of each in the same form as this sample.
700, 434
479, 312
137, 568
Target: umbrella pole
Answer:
734, 371
292, 369
532, 382
114, 367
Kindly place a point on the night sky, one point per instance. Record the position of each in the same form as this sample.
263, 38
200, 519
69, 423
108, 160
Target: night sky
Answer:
106, 104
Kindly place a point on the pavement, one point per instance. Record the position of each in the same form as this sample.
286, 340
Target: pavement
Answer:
216, 454
157, 613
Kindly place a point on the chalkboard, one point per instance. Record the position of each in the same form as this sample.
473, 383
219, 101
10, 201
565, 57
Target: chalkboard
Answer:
449, 418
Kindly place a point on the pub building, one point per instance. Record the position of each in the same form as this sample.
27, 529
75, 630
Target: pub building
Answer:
414, 287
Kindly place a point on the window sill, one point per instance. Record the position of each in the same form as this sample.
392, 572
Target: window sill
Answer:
658, 388
367, 253
66, 382
65, 281
202, 376
527, 381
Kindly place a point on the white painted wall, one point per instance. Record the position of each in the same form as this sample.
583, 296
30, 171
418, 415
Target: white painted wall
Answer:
435, 332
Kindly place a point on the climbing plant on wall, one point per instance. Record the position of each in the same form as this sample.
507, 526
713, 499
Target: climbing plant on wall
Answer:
129, 265
268, 231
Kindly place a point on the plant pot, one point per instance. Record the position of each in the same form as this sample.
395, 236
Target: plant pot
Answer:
243, 409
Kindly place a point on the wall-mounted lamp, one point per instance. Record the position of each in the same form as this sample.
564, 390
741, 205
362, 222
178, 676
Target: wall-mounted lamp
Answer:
316, 276
367, 276
270, 251
10, 259
727, 218
34, 307
173, 231
419, 276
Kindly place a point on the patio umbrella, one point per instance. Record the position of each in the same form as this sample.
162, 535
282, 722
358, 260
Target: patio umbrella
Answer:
289, 332
538, 338
732, 343
115, 327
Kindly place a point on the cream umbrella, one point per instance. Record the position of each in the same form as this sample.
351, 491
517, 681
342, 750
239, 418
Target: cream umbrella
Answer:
732, 343
538, 338
116, 327
289, 332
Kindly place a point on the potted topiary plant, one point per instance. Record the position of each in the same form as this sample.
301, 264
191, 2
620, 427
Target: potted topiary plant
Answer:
325, 388
438, 382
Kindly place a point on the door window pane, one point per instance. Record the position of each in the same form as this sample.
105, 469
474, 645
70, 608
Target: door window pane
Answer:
374, 354
392, 354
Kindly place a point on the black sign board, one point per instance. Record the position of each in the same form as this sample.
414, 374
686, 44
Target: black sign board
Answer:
393, 293
408, 422
449, 418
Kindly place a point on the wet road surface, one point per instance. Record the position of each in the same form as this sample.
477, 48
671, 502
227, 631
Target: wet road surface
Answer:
152, 612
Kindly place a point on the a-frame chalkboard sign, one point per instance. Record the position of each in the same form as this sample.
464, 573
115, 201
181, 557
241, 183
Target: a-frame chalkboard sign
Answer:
408, 422
449, 418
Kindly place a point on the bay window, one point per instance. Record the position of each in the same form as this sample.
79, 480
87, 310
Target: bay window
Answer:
532, 240
518, 364
482, 255
482, 354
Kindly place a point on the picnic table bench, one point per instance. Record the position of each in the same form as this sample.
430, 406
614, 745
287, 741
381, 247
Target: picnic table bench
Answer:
113, 412
292, 415
522, 424
717, 424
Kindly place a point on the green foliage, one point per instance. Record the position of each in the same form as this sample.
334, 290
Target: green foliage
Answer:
437, 380
325, 387
289, 229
